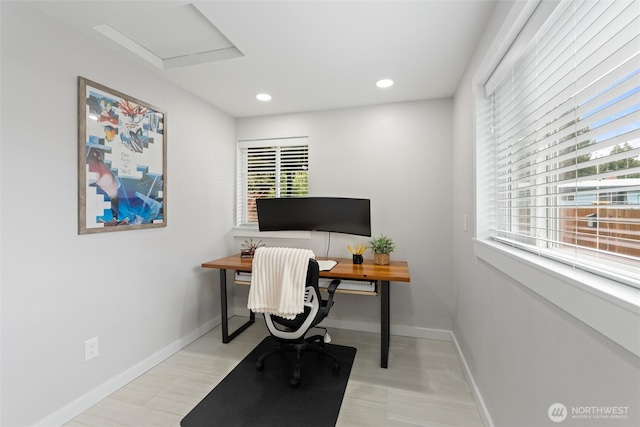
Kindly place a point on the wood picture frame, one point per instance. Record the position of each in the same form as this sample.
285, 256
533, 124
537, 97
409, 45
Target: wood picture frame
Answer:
122, 161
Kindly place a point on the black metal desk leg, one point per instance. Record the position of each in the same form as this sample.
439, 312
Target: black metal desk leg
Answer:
384, 324
223, 303
226, 338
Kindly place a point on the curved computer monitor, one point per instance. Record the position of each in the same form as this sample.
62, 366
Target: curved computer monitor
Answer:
333, 214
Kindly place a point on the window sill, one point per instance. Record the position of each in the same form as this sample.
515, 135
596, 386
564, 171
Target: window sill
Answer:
248, 231
609, 307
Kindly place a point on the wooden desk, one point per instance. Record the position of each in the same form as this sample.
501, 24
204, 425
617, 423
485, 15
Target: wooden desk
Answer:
397, 271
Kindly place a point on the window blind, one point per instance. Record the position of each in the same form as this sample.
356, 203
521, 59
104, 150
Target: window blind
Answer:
270, 168
564, 145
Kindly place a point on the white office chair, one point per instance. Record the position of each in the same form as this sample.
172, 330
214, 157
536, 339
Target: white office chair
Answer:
290, 333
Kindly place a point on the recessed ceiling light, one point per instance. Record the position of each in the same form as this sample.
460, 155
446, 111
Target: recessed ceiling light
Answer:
384, 83
263, 97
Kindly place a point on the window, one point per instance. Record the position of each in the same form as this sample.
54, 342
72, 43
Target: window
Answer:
559, 139
270, 168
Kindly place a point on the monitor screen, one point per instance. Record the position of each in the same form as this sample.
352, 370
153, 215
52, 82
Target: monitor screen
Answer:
335, 214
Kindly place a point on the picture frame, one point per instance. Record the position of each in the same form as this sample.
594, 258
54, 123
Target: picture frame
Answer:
122, 161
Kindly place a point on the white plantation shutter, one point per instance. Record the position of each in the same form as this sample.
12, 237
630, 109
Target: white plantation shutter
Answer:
270, 168
562, 155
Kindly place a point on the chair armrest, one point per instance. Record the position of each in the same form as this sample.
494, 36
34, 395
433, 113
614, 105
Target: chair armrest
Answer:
333, 286
331, 289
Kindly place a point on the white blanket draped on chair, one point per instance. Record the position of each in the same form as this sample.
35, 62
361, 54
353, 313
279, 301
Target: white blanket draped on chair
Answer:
278, 280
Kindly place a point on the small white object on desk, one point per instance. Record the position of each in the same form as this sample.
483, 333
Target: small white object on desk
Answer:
326, 265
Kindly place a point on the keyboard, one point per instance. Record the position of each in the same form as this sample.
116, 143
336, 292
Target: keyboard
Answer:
351, 285
243, 276
345, 284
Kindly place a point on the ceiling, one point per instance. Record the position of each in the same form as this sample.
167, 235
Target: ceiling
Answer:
308, 55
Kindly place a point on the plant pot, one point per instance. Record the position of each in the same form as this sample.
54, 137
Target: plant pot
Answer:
381, 259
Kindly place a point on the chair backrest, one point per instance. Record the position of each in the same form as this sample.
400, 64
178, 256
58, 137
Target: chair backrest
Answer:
278, 280
313, 275
312, 315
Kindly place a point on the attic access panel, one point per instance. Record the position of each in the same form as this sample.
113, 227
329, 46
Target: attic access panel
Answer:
170, 37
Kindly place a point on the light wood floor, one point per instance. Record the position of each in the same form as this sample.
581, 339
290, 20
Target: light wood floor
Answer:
423, 386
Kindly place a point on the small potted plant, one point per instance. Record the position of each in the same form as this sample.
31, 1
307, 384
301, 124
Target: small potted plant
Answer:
249, 247
381, 246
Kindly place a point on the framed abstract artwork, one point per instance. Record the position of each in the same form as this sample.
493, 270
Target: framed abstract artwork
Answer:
122, 161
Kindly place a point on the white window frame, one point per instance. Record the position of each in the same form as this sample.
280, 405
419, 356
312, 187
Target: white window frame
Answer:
243, 227
606, 305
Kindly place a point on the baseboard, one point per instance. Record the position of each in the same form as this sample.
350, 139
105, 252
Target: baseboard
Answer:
405, 331
84, 402
417, 332
475, 391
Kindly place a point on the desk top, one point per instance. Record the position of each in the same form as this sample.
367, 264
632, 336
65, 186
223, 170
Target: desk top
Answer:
397, 271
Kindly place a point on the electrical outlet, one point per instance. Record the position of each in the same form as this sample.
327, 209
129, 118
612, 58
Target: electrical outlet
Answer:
90, 349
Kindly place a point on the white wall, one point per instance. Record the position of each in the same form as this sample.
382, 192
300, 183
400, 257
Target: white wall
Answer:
399, 156
524, 352
142, 293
